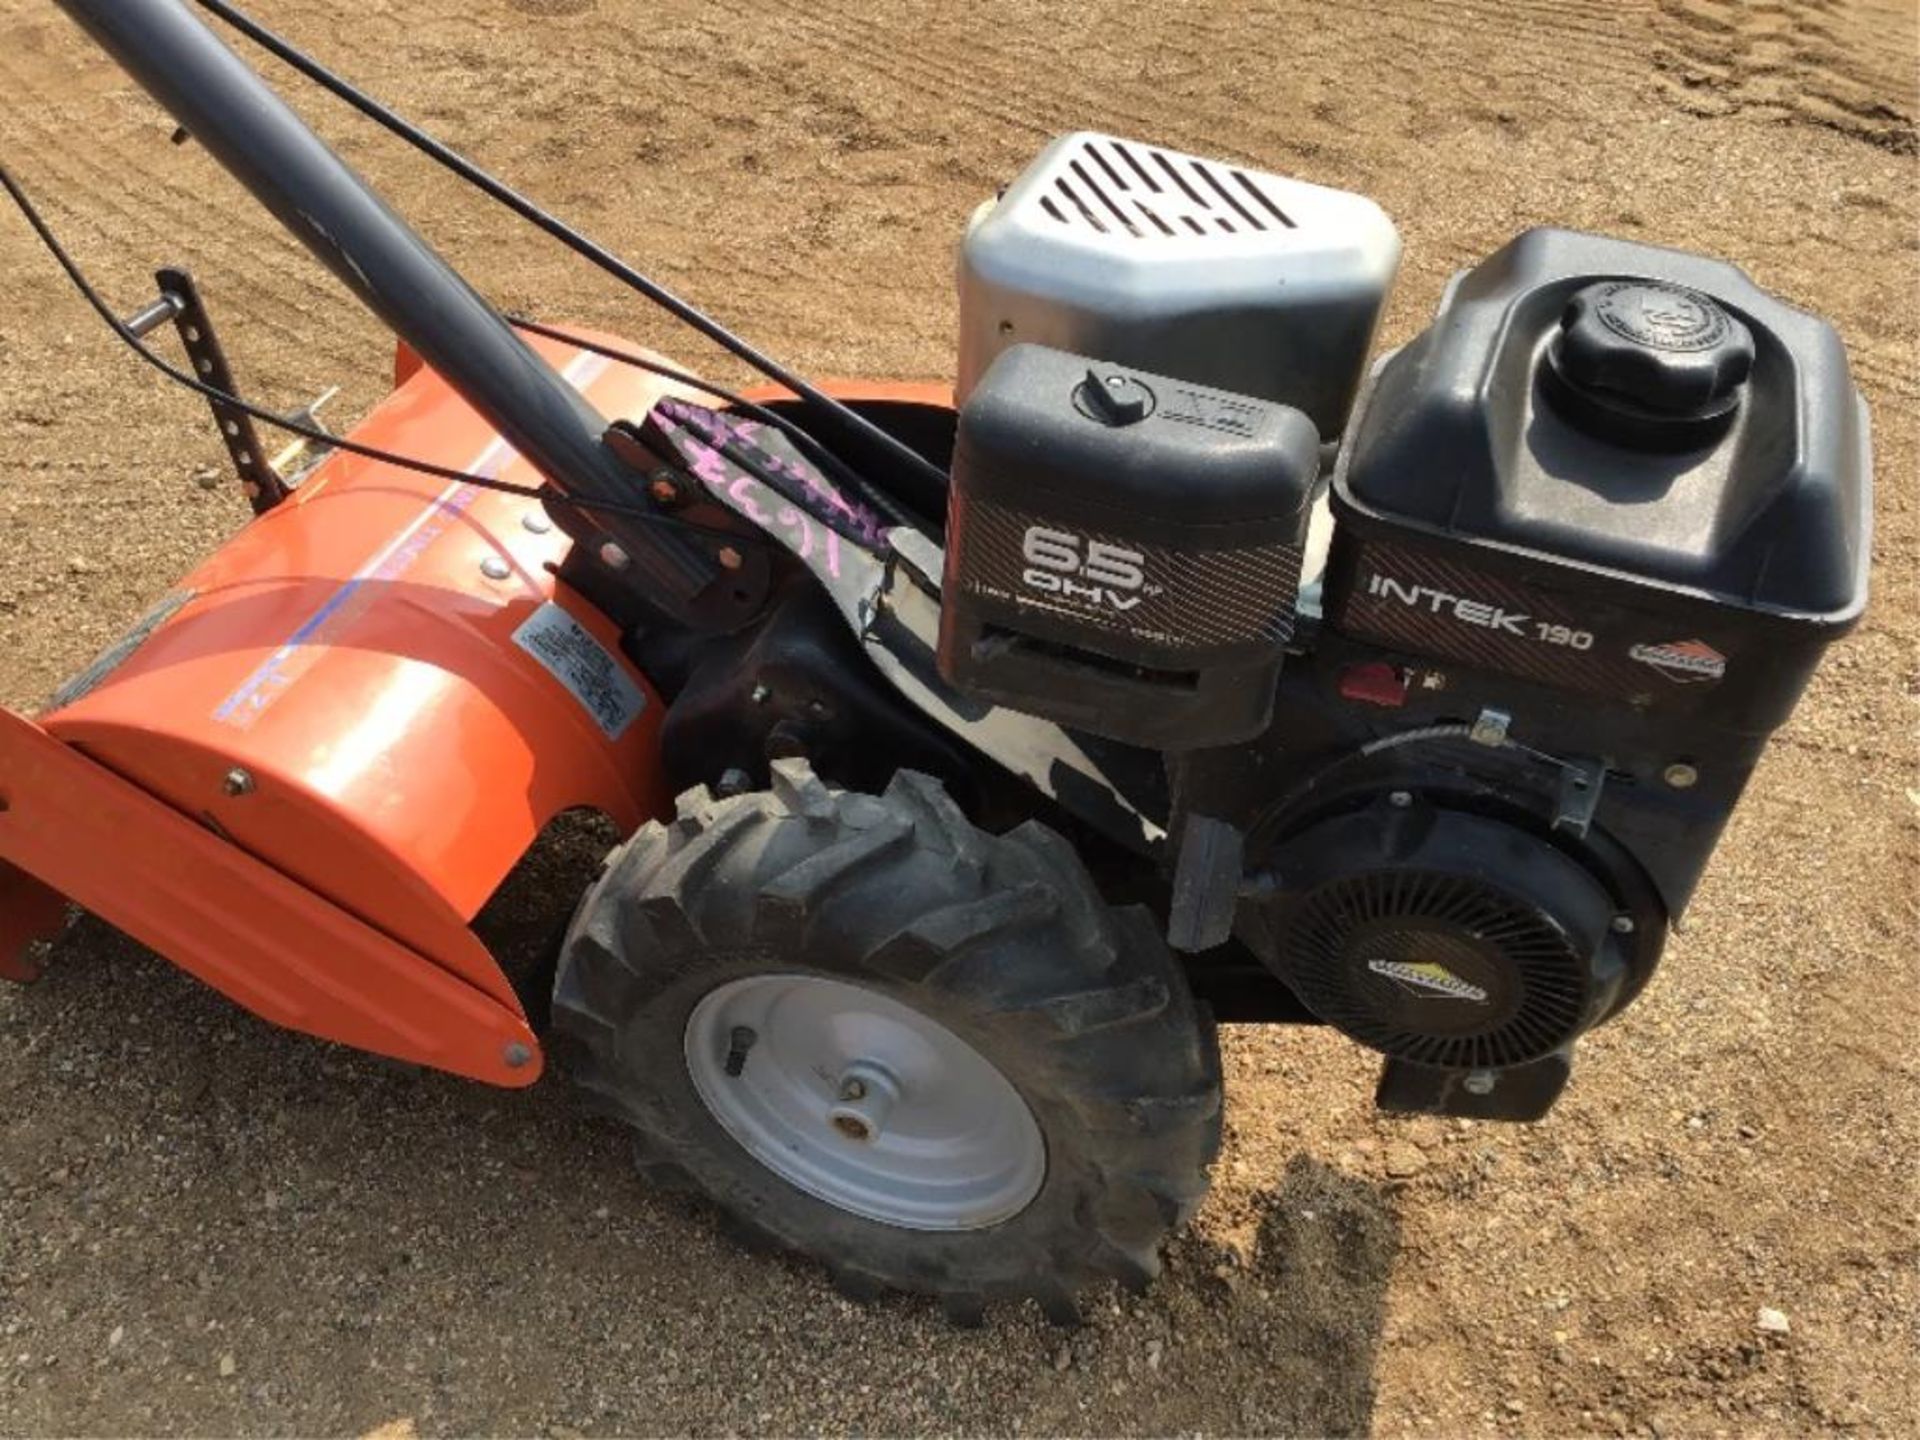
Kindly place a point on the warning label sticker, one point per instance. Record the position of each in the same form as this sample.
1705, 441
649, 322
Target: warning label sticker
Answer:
584, 666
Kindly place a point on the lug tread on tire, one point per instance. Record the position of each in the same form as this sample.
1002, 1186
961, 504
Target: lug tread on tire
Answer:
1003, 939
938, 820
801, 793
801, 890
927, 950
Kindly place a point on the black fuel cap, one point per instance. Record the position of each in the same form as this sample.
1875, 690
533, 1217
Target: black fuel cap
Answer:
1651, 363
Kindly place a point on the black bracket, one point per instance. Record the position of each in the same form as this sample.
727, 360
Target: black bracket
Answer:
179, 302
1580, 785
1521, 1093
1206, 884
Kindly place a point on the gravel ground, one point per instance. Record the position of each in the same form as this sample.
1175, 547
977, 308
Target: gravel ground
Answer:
207, 1226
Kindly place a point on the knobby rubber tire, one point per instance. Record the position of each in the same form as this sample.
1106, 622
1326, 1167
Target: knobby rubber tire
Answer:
1002, 939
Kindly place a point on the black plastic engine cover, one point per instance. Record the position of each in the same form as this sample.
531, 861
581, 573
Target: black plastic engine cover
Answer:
1123, 549
1613, 469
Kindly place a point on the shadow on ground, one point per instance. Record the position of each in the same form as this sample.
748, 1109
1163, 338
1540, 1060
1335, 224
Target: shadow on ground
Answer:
210, 1225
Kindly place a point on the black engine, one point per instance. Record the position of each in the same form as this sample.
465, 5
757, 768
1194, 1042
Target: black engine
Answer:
1583, 544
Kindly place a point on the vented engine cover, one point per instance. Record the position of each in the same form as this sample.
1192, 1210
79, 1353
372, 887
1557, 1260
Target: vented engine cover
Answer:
1196, 269
1444, 939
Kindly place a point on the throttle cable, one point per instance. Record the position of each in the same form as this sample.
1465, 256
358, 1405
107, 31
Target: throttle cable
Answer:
373, 452
588, 249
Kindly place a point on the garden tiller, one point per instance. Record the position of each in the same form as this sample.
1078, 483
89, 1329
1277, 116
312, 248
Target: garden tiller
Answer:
975, 747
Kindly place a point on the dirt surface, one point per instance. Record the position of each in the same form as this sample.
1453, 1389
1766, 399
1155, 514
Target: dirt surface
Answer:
209, 1226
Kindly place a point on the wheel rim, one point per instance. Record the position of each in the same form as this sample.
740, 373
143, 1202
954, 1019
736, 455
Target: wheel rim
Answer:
864, 1102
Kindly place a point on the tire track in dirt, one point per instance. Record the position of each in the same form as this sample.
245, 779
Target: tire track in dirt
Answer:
132, 207
506, 120
57, 133
296, 310
1896, 377
1799, 62
828, 30
291, 328
120, 229
1570, 54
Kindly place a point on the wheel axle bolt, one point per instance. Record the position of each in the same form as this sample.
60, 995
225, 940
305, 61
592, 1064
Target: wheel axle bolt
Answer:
866, 1094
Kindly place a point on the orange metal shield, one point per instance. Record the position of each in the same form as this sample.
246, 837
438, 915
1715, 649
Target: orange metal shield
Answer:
377, 695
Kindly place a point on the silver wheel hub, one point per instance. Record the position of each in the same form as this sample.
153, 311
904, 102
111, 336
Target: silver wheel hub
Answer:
864, 1102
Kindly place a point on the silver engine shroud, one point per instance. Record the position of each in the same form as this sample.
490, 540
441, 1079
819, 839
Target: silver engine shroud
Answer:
1204, 271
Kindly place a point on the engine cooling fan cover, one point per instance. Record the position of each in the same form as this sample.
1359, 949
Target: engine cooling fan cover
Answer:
1444, 938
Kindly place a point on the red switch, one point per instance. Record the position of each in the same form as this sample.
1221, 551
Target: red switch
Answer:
1374, 682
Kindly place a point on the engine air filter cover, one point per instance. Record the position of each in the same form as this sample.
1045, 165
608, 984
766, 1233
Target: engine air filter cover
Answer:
1202, 270
1443, 938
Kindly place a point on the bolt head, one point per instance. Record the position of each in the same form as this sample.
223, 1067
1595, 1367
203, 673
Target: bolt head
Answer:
237, 782
729, 558
854, 1089
536, 522
1623, 924
1400, 799
494, 568
1480, 1082
760, 694
1682, 776
664, 491
613, 557
517, 1056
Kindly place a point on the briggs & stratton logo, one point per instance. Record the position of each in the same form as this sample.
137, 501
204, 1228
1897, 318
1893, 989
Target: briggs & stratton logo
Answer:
1685, 662
1428, 978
